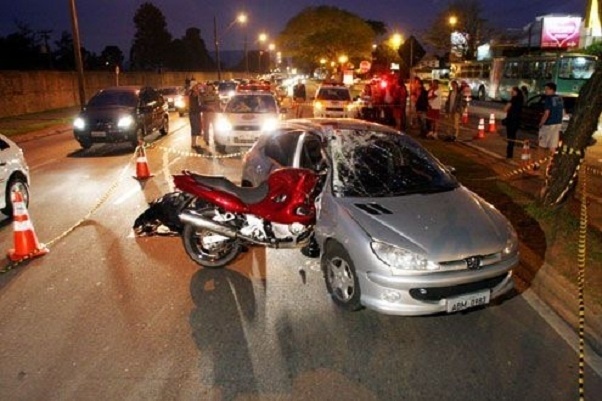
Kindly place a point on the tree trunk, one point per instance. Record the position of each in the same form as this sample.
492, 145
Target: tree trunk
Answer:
562, 173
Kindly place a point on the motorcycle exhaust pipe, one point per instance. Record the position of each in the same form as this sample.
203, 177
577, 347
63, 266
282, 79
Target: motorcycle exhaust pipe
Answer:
202, 222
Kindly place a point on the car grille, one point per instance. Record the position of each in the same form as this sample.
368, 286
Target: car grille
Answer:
335, 109
439, 293
102, 124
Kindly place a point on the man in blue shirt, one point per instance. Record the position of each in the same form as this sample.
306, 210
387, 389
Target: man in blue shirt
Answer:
551, 120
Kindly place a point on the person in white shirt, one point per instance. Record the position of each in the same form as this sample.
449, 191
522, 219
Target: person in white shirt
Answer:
434, 111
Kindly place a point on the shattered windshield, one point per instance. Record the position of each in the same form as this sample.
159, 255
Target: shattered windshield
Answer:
384, 164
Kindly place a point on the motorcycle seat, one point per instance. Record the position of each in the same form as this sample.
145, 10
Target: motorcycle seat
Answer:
248, 195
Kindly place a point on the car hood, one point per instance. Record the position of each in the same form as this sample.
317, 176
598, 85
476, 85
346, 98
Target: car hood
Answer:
445, 226
109, 112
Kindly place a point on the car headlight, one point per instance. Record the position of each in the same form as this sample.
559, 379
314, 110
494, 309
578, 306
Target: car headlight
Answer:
350, 107
223, 125
179, 102
511, 247
125, 122
269, 125
318, 106
402, 260
79, 123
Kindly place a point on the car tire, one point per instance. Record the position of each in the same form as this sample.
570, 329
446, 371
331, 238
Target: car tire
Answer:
218, 255
164, 130
138, 137
15, 184
85, 143
220, 148
340, 277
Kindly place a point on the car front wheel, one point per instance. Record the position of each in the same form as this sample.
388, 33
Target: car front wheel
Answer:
15, 184
340, 277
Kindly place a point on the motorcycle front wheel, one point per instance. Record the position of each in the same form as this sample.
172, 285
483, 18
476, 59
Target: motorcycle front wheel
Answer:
207, 248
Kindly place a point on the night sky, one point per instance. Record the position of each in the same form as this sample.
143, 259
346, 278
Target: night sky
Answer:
110, 22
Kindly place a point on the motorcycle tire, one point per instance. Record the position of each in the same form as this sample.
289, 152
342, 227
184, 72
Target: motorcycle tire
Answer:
215, 255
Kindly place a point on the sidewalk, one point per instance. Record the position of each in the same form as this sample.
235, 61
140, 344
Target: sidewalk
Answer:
552, 288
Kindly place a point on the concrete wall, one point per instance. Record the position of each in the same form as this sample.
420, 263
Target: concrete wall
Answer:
23, 92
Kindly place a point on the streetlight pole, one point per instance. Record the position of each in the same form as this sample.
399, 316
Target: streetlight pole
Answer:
78, 55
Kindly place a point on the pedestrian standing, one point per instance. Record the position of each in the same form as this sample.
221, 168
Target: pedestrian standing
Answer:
399, 106
513, 111
209, 105
551, 120
194, 114
434, 109
299, 97
421, 105
454, 107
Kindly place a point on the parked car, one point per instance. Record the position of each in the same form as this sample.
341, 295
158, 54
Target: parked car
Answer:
14, 174
247, 115
396, 231
333, 100
121, 114
171, 95
533, 110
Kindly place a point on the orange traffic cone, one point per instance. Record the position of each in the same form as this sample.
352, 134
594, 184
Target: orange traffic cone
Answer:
26, 242
492, 122
525, 156
142, 170
481, 129
465, 116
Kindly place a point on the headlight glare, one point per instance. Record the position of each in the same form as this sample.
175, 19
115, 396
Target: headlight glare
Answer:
125, 122
223, 125
79, 123
402, 260
318, 105
269, 125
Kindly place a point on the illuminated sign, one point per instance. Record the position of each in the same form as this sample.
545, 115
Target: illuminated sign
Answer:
560, 32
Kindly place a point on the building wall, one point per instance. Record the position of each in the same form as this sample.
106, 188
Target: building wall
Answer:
23, 92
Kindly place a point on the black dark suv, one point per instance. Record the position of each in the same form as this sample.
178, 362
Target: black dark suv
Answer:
121, 114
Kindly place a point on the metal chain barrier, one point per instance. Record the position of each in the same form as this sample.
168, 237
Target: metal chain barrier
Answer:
581, 262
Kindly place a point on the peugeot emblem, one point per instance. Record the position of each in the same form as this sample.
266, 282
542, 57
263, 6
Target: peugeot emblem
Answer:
473, 263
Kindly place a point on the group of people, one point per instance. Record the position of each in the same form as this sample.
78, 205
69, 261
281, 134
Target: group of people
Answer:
386, 101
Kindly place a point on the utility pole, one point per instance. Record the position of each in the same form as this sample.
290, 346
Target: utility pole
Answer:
78, 55
219, 71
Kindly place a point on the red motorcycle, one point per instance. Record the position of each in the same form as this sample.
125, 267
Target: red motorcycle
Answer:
221, 218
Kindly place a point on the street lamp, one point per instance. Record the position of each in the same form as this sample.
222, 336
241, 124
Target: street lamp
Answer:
240, 19
261, 39
396, 41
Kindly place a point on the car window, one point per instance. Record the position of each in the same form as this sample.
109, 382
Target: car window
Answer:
333, 94
281, 147
114, 98
251, 104
311, 153
382, 164
150, 97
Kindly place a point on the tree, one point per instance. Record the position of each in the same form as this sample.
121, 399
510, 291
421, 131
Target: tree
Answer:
151, 40
190, 53
21, 50
112, 57
468, 14
313, 35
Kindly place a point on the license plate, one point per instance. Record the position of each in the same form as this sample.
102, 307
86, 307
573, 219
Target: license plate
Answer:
468, 301
98, 134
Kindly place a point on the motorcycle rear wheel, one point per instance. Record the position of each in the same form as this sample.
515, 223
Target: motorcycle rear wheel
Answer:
200, 248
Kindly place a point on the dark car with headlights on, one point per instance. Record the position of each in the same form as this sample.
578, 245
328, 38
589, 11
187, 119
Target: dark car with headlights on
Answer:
172, 94
121, 114
396, 231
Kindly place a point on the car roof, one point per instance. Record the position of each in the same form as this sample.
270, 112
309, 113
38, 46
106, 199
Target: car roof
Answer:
125, 88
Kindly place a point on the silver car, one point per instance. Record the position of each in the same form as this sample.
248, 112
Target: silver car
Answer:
14, 174
396, 231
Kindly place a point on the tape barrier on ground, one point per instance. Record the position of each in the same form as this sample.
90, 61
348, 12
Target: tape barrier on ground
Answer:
199, 155
107, 194
581, 263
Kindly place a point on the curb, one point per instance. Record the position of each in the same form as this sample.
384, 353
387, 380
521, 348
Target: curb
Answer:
558, 293
31, 136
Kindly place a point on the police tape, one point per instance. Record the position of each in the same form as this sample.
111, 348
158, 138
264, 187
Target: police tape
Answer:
198, 155
581, 264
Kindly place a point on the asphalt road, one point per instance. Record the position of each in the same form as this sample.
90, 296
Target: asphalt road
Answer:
107, 316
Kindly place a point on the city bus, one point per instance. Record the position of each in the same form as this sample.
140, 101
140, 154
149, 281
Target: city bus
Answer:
477, 74
568, 71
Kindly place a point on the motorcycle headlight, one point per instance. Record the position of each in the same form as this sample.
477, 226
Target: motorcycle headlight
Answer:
269, 125
222, 124
79, 123
125, 122
402, 260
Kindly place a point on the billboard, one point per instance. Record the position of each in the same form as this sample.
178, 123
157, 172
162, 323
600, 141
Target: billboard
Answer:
560, 32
